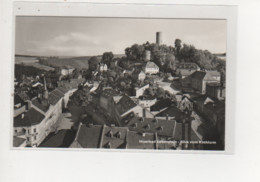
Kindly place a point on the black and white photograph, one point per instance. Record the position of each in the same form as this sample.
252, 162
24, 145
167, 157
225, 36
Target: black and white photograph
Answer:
119, 83
136, 90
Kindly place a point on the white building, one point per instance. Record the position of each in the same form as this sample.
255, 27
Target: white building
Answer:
141, 76
139, 91
151, 68
67, 71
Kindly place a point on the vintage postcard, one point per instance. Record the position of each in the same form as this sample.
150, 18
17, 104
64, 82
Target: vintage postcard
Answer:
127, 83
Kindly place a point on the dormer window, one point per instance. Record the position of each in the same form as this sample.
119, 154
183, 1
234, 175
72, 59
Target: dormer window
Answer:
160, 128
134, 125
110, 134
118, 135
108, 145
147, 126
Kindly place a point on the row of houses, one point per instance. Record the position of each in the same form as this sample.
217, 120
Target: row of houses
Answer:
114, 137
36, 118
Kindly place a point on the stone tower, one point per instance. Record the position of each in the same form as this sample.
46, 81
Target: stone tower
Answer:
158, 38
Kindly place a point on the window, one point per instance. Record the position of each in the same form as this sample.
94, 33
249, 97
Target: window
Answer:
34, 130
35, 137
15, 131
28, 139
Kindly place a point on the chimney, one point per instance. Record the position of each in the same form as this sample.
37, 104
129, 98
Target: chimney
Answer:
144, 112
167, 117
143, 134
22, 116
29, 104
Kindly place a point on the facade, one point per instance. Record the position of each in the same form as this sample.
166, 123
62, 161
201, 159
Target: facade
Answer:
139, 91
41, 115
215, 90
66, 71
184, 102
146, 102
151, 68
199, 79
141, 76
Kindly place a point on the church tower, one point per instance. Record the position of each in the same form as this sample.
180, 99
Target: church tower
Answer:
45, 91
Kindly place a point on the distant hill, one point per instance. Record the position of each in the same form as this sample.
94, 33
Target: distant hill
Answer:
78, 63
75, 62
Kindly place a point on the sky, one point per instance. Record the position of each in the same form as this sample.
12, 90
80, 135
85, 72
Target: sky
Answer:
75, 36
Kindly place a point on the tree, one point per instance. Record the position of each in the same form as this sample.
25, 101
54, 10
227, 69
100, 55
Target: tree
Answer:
170, 63
177, 46
107, 58
93, 62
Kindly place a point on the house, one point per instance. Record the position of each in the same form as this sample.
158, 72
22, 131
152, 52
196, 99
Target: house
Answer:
200, 102
60, 139
199, 79
215, 90
151, 125
88, 136
183, 73
141, 76
106, 100
111, 137
146, 101
171, 113
28, 125
103, 67
67, 70
19, 142
100, 136
161, 105
43, 113
166, 86
151, 68
19, 105
139, 91
184, 102
126, 105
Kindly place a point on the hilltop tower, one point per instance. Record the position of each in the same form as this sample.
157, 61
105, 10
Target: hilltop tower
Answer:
158, 38
147, 55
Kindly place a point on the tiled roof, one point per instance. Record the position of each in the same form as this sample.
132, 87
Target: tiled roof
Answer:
55, 96
151, 64
61, 139
159, 105
24, 96
185, 72
18, 99
39, 104
208, 75
113, 137
17, 141
89, 136
137, 140
62, 89
109, 93
32, 117
125, 104
172, 111
152, 125
199, 75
